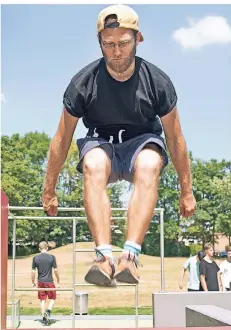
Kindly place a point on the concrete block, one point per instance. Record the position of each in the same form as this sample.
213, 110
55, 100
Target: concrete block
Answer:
207, 316
169, 307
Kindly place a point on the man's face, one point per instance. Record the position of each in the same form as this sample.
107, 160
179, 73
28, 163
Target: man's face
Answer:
118, 46
229, 256
210, 252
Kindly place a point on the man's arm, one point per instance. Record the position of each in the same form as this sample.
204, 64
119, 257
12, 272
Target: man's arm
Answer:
182, 278
203, 283
179, 155
33, 277
56, 157
185, 267
222, 281
202, 270
54, 265
57, 276
33, 272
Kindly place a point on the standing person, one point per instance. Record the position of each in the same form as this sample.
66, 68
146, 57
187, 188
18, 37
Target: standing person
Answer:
124, 101
209, 270
44, 262
225, 271
192, 266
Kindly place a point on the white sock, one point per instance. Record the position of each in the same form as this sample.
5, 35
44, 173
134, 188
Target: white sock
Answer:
132, 247
105, 249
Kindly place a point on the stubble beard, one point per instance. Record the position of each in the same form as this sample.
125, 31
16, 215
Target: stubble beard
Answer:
120, 66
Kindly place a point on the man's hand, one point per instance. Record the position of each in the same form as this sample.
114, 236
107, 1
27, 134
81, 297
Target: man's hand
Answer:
33, 285
187, 205
181, 286
50, 203
58, 285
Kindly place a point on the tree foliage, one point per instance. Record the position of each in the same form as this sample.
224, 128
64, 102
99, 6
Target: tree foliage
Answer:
23, 164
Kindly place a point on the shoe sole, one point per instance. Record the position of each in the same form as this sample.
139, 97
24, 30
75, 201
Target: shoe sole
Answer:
98, 277
126, 277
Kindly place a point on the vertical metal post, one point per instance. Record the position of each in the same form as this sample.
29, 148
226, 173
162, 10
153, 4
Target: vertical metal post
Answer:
13, 273
137, 304
18, 313
74, 272
162, 248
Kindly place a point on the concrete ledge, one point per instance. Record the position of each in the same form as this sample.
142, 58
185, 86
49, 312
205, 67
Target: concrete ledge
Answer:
169, 307
207, 316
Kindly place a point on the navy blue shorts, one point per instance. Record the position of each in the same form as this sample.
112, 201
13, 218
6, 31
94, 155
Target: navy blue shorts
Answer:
123, 155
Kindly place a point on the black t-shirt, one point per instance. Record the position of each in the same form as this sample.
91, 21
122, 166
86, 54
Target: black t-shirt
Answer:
44, 262
108, 106
209, 270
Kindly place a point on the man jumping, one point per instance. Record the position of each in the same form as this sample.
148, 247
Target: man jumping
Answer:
124, 102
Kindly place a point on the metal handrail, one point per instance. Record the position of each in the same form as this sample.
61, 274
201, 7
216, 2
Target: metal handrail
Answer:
42, 289
74, 218
68, 209
25, 217
93, 250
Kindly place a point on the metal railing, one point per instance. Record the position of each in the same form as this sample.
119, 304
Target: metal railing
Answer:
14, 218
15, 305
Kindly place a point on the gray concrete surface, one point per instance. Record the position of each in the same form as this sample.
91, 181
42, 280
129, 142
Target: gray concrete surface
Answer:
207, 316
88, 321
169, 307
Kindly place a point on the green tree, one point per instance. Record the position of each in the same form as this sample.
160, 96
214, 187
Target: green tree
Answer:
203, 224
222, 189
23, 166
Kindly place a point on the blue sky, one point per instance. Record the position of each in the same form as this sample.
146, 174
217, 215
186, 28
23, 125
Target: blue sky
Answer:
43, 46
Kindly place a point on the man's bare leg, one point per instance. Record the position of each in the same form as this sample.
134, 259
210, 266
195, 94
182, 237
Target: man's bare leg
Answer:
143, 201
144, 198
96, 171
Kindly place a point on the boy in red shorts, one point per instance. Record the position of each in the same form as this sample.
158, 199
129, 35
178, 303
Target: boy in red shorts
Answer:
44, 262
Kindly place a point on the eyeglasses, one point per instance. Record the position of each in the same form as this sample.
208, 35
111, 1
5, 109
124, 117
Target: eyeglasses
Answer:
121, 44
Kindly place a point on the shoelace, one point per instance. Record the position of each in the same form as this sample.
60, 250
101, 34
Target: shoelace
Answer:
101, 258
132, 258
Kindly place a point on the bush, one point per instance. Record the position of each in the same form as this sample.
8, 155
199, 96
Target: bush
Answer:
195, 248
23, 251
176, 249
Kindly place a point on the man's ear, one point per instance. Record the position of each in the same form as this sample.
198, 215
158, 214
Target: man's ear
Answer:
138, 37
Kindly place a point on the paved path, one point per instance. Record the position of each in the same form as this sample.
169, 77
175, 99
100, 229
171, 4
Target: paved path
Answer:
85, 321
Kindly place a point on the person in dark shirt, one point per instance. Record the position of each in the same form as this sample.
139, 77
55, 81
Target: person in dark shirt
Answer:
126, 103
209, 270
44, 263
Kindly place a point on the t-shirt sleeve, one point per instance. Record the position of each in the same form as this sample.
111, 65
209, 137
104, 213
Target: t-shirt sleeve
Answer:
202, 268
73, 101
222, 267
186, 264
54, 264
33, 264
218, 268
167, 98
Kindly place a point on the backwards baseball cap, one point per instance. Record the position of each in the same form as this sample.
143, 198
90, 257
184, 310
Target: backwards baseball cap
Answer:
126, 18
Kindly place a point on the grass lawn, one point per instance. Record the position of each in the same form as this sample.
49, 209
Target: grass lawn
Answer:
91, 311
111, 299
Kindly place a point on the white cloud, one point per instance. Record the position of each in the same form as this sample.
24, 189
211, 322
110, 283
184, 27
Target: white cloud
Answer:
206, 31
3, 99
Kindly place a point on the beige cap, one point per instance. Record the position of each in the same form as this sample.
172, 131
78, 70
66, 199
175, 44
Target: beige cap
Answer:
126, 17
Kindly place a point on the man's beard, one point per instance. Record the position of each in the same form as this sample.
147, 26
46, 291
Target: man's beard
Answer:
120, 65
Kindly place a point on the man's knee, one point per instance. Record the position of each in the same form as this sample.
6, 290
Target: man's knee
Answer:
149, 163
96, 163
